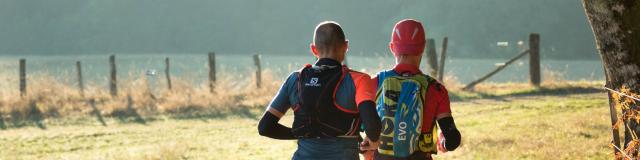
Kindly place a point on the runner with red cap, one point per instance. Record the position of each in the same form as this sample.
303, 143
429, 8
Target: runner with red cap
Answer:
410, 103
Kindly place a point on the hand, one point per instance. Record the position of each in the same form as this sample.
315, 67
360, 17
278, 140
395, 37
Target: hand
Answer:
368, 145
368, 155
441, 142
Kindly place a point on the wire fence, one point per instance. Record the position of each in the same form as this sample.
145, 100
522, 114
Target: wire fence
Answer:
621, 151
623, 94
636, 99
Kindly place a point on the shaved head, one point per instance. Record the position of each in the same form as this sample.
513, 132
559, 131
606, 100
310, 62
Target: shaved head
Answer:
328, 37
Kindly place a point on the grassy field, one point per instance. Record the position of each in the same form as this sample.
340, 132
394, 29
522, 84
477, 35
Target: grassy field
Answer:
496, 122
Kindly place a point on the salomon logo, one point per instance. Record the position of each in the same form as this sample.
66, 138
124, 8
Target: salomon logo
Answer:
313, 82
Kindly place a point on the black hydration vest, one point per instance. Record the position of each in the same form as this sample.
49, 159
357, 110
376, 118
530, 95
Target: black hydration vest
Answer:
316, 115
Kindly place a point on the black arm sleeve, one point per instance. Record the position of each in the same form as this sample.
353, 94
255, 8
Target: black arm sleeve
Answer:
269, 127
370, 119
451, 134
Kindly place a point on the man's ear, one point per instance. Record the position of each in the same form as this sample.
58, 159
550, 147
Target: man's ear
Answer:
314, 50
346, 46
391, 47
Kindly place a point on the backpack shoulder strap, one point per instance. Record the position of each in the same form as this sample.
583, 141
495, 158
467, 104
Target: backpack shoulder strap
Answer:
299, 86
384, 74
430, 81
302, 70
347, 70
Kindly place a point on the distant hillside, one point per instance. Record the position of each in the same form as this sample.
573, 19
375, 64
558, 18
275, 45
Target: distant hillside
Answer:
284, 26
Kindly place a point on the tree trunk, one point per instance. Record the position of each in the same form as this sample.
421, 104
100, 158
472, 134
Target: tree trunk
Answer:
616, 26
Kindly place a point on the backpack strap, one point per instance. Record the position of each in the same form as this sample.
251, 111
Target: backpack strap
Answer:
384, 74
296, 106
355, 128
345, 71
430, 82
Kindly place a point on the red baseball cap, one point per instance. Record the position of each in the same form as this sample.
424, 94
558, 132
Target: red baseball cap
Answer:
408, 38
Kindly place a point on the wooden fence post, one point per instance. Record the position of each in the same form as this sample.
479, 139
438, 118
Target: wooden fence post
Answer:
443, 56
80, 81
534, 59
256, 60
614, 119
23, 77
167, 73
432, 58
113, 80
212, 71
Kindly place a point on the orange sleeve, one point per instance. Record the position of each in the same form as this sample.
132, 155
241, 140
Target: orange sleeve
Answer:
365, 88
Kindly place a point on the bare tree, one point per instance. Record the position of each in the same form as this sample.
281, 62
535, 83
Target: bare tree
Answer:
616, 26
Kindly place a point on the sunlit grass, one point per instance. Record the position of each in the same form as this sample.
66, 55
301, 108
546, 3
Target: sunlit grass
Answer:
533, 127
565, 127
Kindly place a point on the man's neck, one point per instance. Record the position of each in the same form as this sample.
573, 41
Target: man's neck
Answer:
408, 60
327, 61
409, 63
403, 68
329, 56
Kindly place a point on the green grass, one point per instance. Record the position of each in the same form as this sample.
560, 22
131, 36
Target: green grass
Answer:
561, 127
499, 90
503, 127
227, 138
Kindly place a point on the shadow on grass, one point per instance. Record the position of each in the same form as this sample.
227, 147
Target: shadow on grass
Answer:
558, 91
2, 125
36, 115
239, 111
130, 114
96, 112
33, 114
470, 95
541, 91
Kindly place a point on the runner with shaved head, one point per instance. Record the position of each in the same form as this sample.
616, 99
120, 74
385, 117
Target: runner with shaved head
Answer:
330, 103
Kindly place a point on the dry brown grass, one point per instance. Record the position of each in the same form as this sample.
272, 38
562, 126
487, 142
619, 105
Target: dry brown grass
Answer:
49, 97
52, 97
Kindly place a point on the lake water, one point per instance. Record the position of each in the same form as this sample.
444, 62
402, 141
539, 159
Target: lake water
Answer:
194, 66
